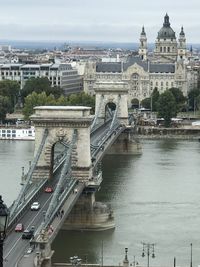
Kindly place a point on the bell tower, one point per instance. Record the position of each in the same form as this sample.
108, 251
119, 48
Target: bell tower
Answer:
143, 45
182, 45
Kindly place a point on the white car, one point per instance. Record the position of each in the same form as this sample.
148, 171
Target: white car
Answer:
35, 206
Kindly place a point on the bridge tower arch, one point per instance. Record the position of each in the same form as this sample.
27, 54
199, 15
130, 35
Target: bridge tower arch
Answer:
60, 122
112, 92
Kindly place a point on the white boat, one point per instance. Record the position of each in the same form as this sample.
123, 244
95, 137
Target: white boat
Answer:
17, 133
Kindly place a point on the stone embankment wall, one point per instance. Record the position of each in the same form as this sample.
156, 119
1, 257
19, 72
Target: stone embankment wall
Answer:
160, 132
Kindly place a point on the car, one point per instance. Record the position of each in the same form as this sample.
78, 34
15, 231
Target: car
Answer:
35, 206
19, 227
29, 250
48, 189
27, 234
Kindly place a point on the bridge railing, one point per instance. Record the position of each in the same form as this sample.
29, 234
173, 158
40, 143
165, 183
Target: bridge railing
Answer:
105, 142
53, 217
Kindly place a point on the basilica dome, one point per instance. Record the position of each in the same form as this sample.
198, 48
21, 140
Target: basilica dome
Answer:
166, 31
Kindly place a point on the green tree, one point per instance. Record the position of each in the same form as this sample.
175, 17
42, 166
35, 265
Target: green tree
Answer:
167, 107
39, 85
82, 99
179, 98
11, 90
135, 103
34, 100
146, 103
5, 106
155, 97
193, 98
43, 99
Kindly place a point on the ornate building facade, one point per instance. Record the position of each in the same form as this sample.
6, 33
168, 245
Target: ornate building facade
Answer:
165, 68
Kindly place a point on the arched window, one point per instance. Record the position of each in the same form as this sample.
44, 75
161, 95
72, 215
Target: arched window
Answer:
135, 76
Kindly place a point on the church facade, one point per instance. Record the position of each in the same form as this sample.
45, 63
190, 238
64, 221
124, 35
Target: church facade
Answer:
165, 68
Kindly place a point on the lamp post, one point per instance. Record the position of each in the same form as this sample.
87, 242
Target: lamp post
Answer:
149, 250
191, 255
3, 225
126, 261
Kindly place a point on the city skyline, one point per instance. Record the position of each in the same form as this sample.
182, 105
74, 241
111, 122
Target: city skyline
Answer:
87, 20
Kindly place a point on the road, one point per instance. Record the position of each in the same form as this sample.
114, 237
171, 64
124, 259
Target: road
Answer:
14, 245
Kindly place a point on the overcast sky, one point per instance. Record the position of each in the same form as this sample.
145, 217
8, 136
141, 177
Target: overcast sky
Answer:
96, 20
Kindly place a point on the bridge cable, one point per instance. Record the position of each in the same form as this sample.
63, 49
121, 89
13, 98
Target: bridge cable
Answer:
97, 112
114, 120
21, 195
54, 201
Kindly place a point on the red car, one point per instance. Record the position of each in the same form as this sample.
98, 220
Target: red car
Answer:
19, 227
48, 190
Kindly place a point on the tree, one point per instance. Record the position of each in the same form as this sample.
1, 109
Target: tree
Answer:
43, 99
179, 98
39, 85
155, 96
146, 103
192, 98
135, 103
5, 107
11, 90
82, 99
166, 107
34, 99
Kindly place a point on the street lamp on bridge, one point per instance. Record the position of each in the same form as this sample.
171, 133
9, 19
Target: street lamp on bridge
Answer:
3, 225
148, 249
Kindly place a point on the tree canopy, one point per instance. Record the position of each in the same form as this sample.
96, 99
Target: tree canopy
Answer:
39, 85
146, 103
193, 99
179, 98
5, 106
155, 97
167, 107
42, 99
9, 91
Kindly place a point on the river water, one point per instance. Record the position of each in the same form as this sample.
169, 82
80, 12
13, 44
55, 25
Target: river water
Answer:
155, 197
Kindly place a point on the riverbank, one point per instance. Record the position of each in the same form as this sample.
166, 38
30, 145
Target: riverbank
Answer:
184, 133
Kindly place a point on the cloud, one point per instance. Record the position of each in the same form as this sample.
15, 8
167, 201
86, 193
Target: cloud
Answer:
105, 20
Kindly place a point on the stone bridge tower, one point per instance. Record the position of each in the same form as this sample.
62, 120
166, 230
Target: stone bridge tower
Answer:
112, 92
60, 122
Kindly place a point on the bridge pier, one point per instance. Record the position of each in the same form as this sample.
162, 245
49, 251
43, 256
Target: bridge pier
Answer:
89, 215
125, 144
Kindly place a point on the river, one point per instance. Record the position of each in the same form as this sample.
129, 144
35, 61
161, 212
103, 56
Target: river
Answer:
155, 197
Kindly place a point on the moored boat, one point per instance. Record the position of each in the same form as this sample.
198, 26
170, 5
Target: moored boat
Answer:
17, 133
